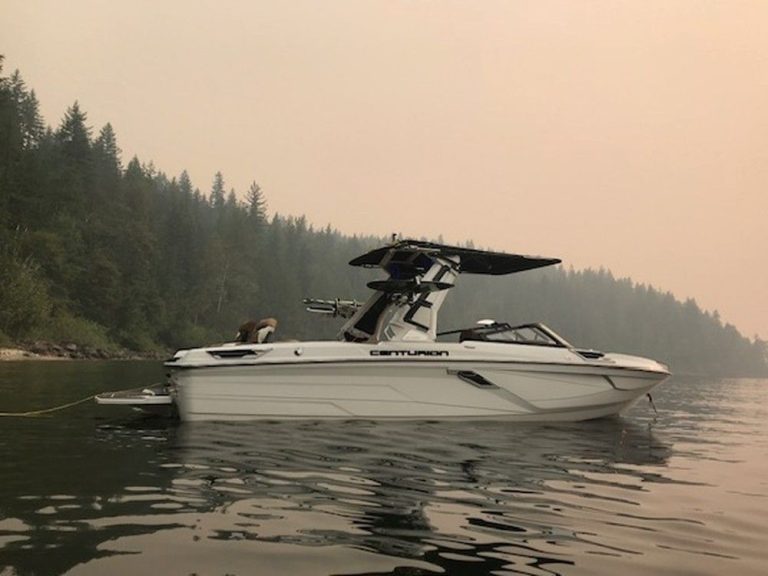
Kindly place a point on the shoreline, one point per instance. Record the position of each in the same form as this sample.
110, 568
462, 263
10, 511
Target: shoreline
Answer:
16, 354
46, 351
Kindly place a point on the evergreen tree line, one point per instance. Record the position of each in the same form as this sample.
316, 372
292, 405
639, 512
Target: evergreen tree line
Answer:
105, 255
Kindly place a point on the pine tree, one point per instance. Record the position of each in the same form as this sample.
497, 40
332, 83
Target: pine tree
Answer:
185, 184
10, 143
106, 148
217, 197
75, 135
256, 204
30, 123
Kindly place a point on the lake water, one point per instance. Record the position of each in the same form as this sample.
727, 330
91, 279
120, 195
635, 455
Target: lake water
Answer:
103, 490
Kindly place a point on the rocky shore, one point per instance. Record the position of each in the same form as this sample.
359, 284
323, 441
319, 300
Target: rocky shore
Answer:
40, 350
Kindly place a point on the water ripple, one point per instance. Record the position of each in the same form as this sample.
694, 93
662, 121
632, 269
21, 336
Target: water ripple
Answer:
627, 495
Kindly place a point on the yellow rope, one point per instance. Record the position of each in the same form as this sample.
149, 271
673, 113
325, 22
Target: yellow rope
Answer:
33, 413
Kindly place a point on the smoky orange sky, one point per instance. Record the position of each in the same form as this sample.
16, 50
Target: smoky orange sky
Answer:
629, 135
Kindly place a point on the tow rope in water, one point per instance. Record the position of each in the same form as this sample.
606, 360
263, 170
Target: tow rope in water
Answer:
43, 412
33, 413
650, 399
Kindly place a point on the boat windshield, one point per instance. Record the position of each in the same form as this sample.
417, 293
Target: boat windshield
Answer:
532, 334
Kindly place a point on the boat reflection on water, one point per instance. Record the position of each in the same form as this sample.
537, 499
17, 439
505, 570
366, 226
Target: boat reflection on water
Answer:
330, 497
485, 496
320, 497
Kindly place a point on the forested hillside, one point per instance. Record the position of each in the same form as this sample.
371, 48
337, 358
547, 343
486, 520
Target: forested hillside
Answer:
109, 255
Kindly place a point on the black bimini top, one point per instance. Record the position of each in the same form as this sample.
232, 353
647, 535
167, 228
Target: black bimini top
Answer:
414, 256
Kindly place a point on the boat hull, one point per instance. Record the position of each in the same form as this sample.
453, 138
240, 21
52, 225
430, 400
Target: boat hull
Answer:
400, 389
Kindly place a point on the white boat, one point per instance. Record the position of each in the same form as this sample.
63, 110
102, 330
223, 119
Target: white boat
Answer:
391, 363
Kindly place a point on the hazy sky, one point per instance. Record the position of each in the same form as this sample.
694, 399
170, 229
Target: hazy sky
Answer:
630, 135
